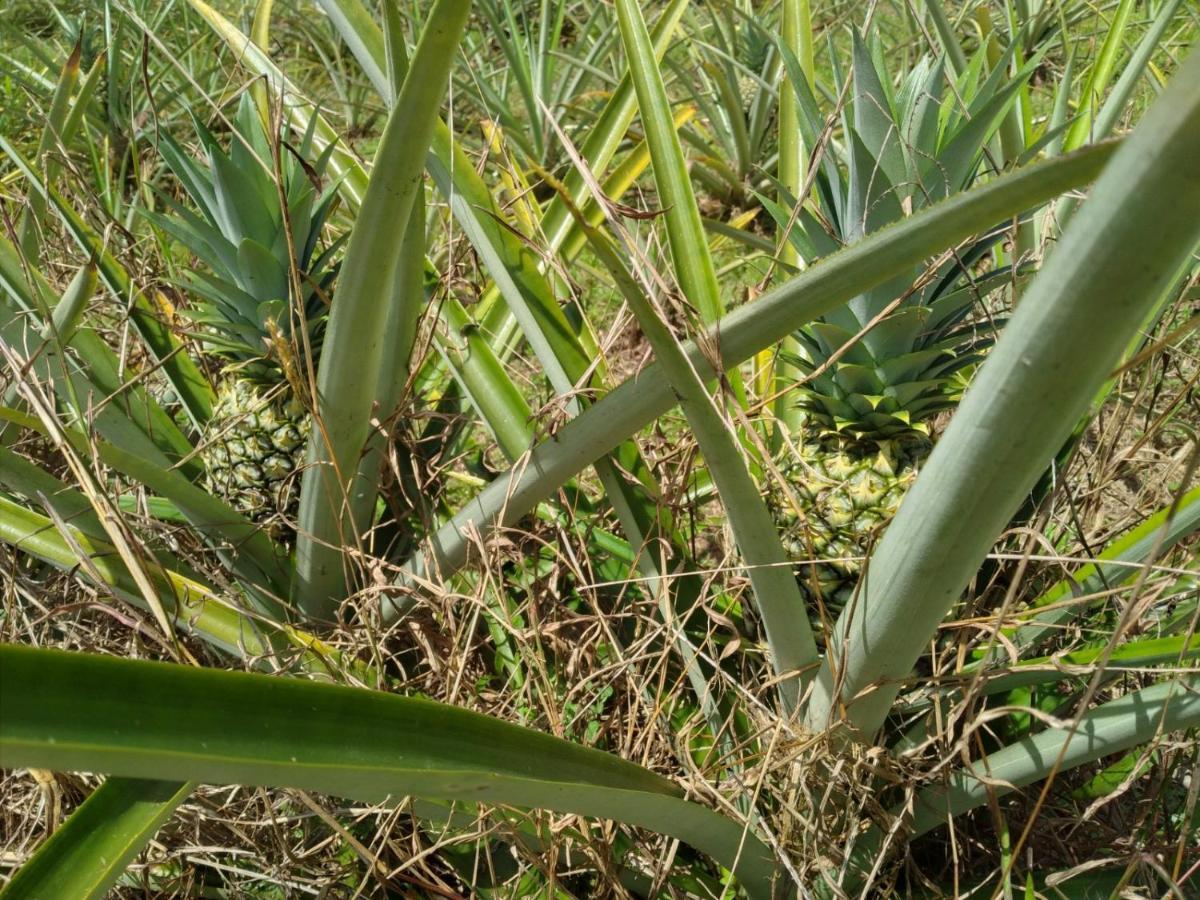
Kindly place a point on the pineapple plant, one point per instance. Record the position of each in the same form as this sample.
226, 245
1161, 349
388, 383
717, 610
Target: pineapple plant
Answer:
753, 48
263, 286
877, 371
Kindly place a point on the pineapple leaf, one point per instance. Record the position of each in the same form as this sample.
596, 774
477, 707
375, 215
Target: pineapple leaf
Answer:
874, 121
240, 202
260, 272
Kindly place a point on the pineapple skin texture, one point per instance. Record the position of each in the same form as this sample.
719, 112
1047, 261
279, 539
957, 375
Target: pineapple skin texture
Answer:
846, 497
254, 449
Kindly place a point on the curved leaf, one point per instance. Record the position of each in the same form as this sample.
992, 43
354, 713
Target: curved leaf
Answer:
88, 853
685, 232
72, 711
776, 594
1111, 728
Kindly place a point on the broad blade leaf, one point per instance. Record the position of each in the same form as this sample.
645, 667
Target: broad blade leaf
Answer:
84, 857
75, 711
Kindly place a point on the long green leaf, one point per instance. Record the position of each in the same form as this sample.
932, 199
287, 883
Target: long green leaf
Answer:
1128, 657
70, 307
1098, 77
797, 36
1114, 106
1115, 103
34, 217
685, 232
75, 711
511, 263
90, 379
62, 322
751, 328
405, 307
481, 374
357, 28
1141, 222
243, 546
1133, 657
23, 478
352, 351
88, 853
1116, 564
950, 45
1111, 728
603, 138
193, 606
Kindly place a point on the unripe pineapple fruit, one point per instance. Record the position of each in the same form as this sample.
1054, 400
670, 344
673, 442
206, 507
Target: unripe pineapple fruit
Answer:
875, 372
837, 502
256, 444
259, 211
753, 49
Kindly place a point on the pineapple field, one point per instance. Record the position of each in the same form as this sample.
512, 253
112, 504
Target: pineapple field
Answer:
587, 448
